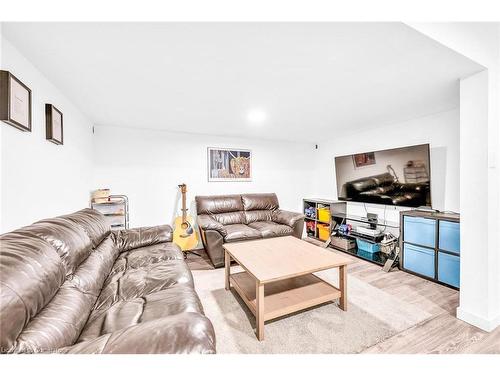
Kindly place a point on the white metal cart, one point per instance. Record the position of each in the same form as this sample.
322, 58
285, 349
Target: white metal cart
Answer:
116, 211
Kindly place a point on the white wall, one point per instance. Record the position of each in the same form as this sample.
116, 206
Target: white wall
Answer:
440, 130
479, 298
40, 179
473, 115
147, 165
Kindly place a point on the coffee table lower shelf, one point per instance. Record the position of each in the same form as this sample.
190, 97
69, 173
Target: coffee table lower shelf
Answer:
285, 296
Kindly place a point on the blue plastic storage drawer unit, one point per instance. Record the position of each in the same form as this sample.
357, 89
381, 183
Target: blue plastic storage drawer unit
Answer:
419, 260
420, 231
449, 236
449, 269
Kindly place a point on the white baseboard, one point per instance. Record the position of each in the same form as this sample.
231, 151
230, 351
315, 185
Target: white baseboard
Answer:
487, 325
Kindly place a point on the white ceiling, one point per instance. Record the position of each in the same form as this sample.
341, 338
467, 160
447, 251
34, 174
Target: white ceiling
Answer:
310, 79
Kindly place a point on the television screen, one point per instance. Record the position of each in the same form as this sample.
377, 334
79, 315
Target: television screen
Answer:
398, 177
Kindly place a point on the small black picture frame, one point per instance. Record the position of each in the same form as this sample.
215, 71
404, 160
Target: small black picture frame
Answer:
54, 124
15, 102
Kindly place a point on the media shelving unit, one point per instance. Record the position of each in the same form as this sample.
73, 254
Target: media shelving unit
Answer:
338, 216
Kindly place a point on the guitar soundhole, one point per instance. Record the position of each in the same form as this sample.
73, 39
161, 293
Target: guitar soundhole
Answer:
184, 225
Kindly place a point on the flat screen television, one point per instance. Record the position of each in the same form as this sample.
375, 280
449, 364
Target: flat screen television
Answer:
398, 177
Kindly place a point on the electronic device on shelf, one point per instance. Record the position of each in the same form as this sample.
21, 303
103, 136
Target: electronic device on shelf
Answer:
368, 231
372, 219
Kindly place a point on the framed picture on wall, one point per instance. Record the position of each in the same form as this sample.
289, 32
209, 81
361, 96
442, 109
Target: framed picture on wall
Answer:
229, 164
15, 102
53, 124
363, 160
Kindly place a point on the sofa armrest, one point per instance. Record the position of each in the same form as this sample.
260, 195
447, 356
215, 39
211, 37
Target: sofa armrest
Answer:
287, 217
205, 222
183, 333
128, 239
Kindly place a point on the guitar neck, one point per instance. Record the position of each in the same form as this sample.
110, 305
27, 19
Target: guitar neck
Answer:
184, 209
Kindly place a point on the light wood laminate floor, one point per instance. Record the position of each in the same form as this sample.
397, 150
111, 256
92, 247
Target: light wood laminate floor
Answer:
441, 333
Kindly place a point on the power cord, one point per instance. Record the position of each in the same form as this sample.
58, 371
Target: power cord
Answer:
385, 223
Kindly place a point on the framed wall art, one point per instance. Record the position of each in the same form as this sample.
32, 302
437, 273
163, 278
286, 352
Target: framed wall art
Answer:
15, 102
363, 160
53, 124
229, 164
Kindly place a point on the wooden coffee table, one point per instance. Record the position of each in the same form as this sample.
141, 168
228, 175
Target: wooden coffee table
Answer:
278, 277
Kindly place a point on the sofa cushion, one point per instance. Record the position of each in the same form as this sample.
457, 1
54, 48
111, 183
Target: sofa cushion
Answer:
93, 222
137, 282
217, 204
128, 239
69, 240
240, 232
384, 179
271, 229
147, 255
258, 215
184, 333
266, 201
229, 218
174, 300
63, 318
31, 273
361, 185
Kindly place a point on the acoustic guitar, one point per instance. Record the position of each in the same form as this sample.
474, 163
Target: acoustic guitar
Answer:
185, 236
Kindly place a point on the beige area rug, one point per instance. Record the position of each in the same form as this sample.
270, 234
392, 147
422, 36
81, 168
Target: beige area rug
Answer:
372, 316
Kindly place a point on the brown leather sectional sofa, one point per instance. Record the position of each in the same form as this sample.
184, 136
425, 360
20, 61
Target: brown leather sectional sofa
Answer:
229, 218
69, 285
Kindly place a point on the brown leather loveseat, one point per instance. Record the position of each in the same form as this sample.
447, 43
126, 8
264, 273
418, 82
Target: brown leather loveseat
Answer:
229, 218
69, 285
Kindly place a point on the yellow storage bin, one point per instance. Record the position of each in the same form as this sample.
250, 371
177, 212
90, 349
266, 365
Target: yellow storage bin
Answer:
324, 214
323, 232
